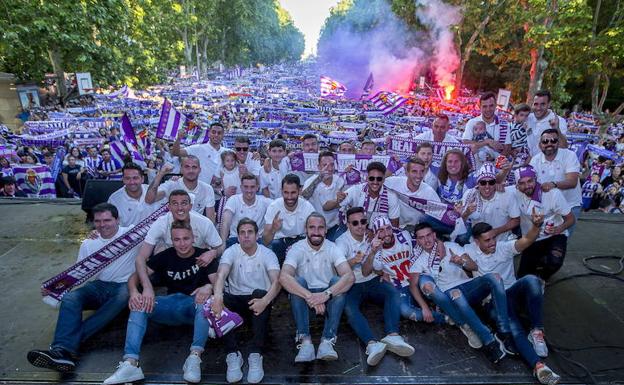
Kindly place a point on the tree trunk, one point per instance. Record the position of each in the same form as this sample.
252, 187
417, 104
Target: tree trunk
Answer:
597, 75
205, 56
223, 45
57, 66
618, 110
198, 56
605, 91
538, 63
595, 92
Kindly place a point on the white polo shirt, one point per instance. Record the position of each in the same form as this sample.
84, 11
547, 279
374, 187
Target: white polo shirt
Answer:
409, 215
554, 171
356, 198
316, 267
553, 205
323, 193
428, 136
273, 180
204, 232
495, 130
293, 222
202, 195
501, 261
350, 247
231, 178
209, 159
248, 272
121, 269
495, 211
449, 275
131, 211
253, 166
536, 127
239, 209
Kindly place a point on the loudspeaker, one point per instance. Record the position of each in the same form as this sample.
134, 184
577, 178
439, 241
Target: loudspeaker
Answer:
98, 191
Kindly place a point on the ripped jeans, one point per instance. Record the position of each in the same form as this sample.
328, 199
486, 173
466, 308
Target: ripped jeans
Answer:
543, 258
410, 309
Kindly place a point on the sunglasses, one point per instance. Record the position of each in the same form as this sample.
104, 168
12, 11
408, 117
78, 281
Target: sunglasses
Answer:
242, 148
551, 141
490, 182
362, 222
375, 178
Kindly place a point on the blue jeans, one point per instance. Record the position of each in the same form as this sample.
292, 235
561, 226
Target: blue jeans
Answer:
333, 311
107, 299
280, 246
456, 306
174, 309
378, 292
576, 210
335, 231
410, 310
477, 289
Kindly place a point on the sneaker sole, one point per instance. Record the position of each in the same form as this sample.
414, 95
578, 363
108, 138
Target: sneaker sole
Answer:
235, 380
503, 348
328, 357
400, 350
253, 381
376, 359
131, 379
41, 360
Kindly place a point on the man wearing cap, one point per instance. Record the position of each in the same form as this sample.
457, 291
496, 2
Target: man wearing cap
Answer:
10, 189
544, 257
484, 204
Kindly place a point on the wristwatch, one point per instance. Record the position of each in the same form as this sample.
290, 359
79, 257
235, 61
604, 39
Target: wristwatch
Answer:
329, 293
555, 184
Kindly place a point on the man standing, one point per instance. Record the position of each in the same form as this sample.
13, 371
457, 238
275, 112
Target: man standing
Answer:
130, 199
284, 221
359, 253
201, 193
317, 275
106, 293
439, 131
274, 170
543, 118
252, 275
209, 154
494, 126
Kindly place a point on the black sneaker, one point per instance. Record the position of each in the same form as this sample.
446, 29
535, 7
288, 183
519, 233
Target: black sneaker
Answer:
55, 359
493, 351
507, 343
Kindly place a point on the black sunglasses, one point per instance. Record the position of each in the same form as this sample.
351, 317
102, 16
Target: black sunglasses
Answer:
490, 182
362, 222
375, 178
551, 140
242, 148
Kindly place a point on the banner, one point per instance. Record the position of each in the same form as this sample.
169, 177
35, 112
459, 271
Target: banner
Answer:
441, 211
406, 147
35, 181
308, 161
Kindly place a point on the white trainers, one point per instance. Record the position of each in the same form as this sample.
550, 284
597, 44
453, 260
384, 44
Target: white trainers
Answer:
545, 375
256, 372
306, 352
375, 352
126, 372
536, 338
398, 346
473, 338
326, 350
234, 364
192, 368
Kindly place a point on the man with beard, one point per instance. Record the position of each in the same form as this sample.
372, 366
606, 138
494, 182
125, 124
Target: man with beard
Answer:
370, 287
209, 154
204, 235
246, 161
544, 257
495, 127
202, 194
524, 294
317, 276
439, 131
543, 118
130, 199
284, 221
558, 168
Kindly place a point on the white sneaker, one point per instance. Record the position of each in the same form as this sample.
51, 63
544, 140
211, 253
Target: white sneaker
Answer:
536, 338
326, 350
234, 364
306, 352
192, 368
473, 338
545, 375
375, 352
126, 372
256, 372
398, 346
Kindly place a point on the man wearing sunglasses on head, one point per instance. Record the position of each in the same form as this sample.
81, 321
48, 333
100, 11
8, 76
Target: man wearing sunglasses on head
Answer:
484, 204
558, 168
356, 247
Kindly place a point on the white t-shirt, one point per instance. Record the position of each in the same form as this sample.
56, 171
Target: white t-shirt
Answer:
248, 272
204, 232
253, 166
494, 129
239, 209
536, 127
322, 194
554, 171
449, 274
209, 159
231, 178
501, 261
495, 211
428, 135
202, 195
356, 198
350, 247
118, 271
131, 211
397, 259
273, 180
553, 205
409, 215
293, 222
316, 267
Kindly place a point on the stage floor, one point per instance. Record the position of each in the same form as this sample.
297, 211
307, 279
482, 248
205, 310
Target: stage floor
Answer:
582, 316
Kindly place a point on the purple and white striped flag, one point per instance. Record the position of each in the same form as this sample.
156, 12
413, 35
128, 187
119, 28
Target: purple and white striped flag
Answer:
131, 142
35, 181
387, 102
171, 121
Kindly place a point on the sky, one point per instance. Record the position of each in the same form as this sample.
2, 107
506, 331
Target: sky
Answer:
309, 16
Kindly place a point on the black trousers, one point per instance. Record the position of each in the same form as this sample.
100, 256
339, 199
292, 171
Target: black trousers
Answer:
259, 323
543, 258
